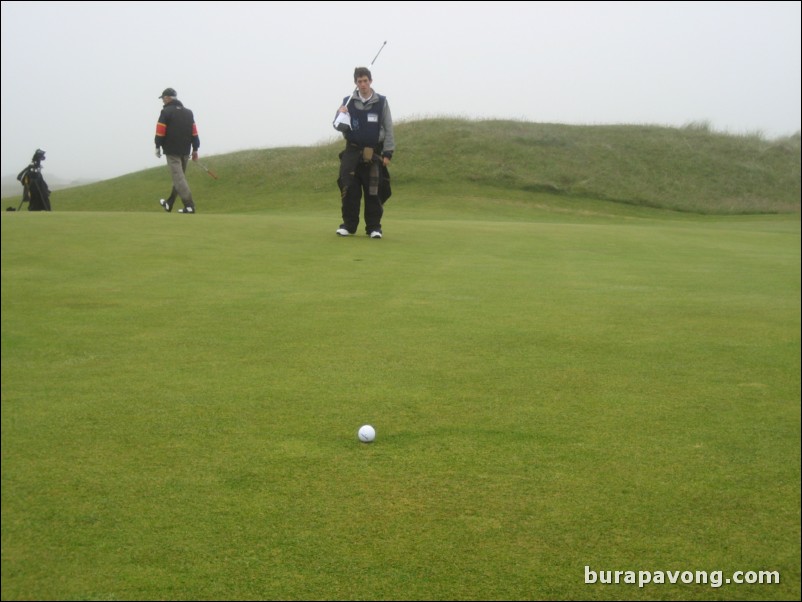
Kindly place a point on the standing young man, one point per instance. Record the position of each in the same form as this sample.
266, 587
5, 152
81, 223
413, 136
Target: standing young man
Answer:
177, 135
368, 151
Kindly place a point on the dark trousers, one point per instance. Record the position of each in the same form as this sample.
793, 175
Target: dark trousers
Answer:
358, 179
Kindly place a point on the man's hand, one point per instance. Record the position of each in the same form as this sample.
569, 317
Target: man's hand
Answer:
194, 155
158, 153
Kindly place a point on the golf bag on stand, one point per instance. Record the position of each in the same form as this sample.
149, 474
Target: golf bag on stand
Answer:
35, 191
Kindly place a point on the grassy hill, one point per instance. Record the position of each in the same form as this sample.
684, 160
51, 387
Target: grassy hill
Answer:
11, 187
461, 164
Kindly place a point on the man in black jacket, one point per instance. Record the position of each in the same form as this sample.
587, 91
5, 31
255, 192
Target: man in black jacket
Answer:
177, 135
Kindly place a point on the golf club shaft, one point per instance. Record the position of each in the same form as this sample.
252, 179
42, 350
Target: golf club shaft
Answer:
206, 169
378, 53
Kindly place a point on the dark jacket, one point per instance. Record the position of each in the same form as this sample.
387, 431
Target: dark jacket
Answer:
176, 132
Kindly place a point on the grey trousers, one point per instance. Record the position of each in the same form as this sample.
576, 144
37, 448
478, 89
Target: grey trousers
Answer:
178, 165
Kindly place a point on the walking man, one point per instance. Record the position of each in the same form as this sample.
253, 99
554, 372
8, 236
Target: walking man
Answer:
177, 136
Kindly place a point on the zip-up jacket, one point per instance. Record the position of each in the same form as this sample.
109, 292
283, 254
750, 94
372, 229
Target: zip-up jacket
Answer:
176, 132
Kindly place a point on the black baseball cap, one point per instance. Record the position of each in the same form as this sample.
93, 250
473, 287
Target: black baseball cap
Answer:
169, 92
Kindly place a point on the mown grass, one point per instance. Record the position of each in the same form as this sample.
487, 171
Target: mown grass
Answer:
556, 382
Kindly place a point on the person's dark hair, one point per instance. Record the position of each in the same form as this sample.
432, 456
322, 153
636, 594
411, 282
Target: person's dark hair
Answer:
362, 72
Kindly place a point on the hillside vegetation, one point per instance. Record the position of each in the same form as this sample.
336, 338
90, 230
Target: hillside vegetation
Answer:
690, 169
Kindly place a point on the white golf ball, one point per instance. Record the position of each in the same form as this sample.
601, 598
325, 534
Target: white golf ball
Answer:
366, 433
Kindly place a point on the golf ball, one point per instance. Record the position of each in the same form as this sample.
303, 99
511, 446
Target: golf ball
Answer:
366, 433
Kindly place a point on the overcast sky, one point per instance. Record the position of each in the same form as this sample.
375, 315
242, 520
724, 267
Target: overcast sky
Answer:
80, 80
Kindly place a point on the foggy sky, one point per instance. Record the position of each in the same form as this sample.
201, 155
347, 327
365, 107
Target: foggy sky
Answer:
80, 80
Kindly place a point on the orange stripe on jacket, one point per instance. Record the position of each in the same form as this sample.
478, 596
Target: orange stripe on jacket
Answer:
161, 129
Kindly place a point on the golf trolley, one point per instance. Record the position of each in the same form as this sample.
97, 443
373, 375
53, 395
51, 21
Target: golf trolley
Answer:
35, 190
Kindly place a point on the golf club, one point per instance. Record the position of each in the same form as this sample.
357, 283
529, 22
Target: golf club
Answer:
206, 169
343, 119
378, 53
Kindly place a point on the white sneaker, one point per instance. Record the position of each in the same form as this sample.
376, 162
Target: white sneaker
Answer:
187, 210
343, 232
375, 234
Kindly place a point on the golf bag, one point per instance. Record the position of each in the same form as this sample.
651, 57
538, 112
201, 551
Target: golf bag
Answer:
35, 191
